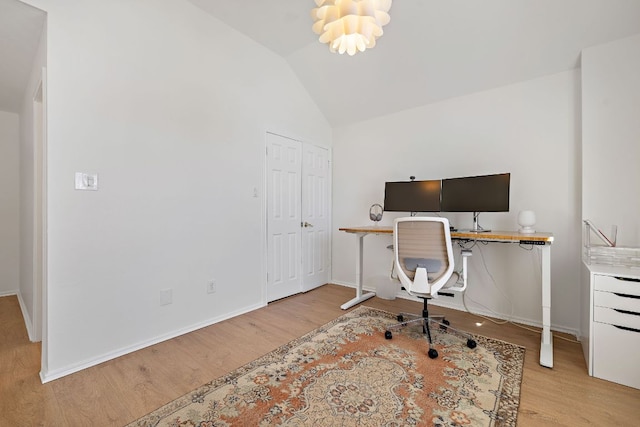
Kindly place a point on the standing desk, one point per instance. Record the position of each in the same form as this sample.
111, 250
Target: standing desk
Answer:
543, 239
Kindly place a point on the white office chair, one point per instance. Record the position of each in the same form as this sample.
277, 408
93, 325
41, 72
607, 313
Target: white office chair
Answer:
423, 258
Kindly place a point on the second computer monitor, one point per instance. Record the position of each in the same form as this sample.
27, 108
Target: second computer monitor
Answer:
486, 193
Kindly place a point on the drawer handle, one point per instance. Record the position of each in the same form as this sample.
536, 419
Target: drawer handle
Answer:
627, 279
626, 328
627, 295
626, 312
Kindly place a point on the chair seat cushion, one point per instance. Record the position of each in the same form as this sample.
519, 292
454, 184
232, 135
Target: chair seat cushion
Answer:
431, 265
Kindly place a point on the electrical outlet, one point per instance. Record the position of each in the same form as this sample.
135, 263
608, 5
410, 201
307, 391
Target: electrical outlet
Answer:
211, 287
166, 297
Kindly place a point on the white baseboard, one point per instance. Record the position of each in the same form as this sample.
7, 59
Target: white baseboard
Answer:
59, 373
25, 313
8, 293
27, 320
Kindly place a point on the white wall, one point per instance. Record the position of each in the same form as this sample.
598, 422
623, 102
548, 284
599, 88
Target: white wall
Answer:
611, 137
9, 202
170, 107
531, 130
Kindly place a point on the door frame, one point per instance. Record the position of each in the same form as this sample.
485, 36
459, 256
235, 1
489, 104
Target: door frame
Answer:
265, 195
40, 203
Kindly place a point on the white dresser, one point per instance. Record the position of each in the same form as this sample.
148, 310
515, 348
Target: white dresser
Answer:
610, 323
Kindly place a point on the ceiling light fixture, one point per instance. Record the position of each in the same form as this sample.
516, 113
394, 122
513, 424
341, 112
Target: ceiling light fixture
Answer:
350, 25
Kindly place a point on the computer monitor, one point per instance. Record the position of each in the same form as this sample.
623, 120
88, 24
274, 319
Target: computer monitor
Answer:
412, 196
485, 193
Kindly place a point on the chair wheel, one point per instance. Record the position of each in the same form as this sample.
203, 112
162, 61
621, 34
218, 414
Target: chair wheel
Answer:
444, 325
400, 317
471, 343
387, 335
433, 353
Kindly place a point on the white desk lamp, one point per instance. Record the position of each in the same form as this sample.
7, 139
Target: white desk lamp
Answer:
526, 220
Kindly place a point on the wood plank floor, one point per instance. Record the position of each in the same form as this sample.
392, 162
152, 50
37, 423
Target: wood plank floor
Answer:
122, 390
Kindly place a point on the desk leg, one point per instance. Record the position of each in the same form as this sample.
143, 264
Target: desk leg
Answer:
546, 341
359, 296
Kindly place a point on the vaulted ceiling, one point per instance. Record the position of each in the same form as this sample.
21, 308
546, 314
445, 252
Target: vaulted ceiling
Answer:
431, 50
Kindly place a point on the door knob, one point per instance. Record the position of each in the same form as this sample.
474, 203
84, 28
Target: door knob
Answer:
306, 224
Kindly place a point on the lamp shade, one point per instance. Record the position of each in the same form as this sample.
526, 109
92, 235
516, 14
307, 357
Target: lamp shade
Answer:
526, 220
350, 25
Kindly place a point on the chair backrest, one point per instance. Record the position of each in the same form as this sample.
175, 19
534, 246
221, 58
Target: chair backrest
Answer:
423, 243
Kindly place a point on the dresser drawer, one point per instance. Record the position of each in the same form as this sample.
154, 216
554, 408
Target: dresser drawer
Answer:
616, 300
615, 357
615, 317
613, 284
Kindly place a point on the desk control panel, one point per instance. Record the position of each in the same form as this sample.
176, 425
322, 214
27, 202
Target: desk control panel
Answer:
532, 242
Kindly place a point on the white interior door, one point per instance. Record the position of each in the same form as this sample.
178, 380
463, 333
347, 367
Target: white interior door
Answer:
315, 216
284, 168
297, 216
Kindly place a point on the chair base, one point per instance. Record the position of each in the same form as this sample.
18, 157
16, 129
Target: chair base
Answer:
425, 319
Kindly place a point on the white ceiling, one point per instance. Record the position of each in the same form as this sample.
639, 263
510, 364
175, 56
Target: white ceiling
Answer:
431, 50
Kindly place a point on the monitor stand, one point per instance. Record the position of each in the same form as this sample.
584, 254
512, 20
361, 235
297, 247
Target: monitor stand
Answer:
476, 227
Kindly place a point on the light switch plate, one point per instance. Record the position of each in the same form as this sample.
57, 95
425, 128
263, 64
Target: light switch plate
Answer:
86, 181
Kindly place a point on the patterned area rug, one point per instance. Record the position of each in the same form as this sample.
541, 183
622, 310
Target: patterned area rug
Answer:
346, 374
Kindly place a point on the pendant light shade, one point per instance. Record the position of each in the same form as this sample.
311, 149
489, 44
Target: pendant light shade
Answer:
350, 25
